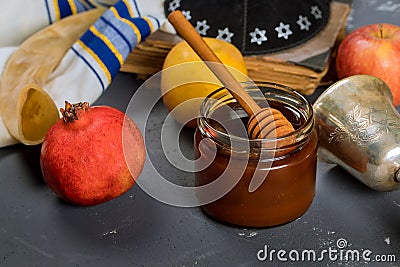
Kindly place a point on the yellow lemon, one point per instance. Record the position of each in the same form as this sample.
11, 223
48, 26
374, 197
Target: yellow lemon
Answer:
186, 80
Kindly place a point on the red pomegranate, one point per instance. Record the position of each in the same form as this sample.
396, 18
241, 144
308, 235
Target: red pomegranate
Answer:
83, 158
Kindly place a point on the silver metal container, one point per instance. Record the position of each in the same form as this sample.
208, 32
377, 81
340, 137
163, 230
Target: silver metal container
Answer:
359, 129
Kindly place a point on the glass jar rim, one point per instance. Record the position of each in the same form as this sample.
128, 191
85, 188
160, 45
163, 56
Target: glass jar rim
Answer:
299, 134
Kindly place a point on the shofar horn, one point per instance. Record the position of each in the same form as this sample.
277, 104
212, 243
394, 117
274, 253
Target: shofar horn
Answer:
27, 110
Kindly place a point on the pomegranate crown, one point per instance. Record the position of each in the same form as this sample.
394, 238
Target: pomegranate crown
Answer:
70, 112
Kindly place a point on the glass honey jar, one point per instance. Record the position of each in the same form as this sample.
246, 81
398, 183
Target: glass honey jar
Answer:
258, 182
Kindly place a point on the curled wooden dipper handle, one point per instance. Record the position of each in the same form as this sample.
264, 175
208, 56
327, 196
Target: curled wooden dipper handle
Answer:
261, 119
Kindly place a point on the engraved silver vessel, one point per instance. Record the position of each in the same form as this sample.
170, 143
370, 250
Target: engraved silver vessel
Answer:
359, 129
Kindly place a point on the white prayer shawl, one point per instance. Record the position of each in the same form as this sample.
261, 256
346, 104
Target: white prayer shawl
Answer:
92, 62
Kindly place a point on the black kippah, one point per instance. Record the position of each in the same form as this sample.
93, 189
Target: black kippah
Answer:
255, 27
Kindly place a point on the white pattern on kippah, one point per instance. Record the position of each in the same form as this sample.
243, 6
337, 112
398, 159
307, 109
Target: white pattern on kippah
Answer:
304, 23
225, 35
174, 5
202, 27
258, 36
283, 30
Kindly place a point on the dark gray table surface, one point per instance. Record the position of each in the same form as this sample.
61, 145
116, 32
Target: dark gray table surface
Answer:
38, 229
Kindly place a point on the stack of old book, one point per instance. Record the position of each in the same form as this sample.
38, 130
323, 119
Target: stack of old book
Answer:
303, 67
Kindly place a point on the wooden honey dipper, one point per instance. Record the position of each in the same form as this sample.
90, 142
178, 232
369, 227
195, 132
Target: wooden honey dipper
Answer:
261, 120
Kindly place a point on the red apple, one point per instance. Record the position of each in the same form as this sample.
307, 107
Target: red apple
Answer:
374, 50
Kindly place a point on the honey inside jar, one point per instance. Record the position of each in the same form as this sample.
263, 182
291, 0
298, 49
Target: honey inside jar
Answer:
272, 185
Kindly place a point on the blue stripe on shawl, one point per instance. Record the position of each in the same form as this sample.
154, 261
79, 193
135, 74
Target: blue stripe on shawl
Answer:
102, 51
